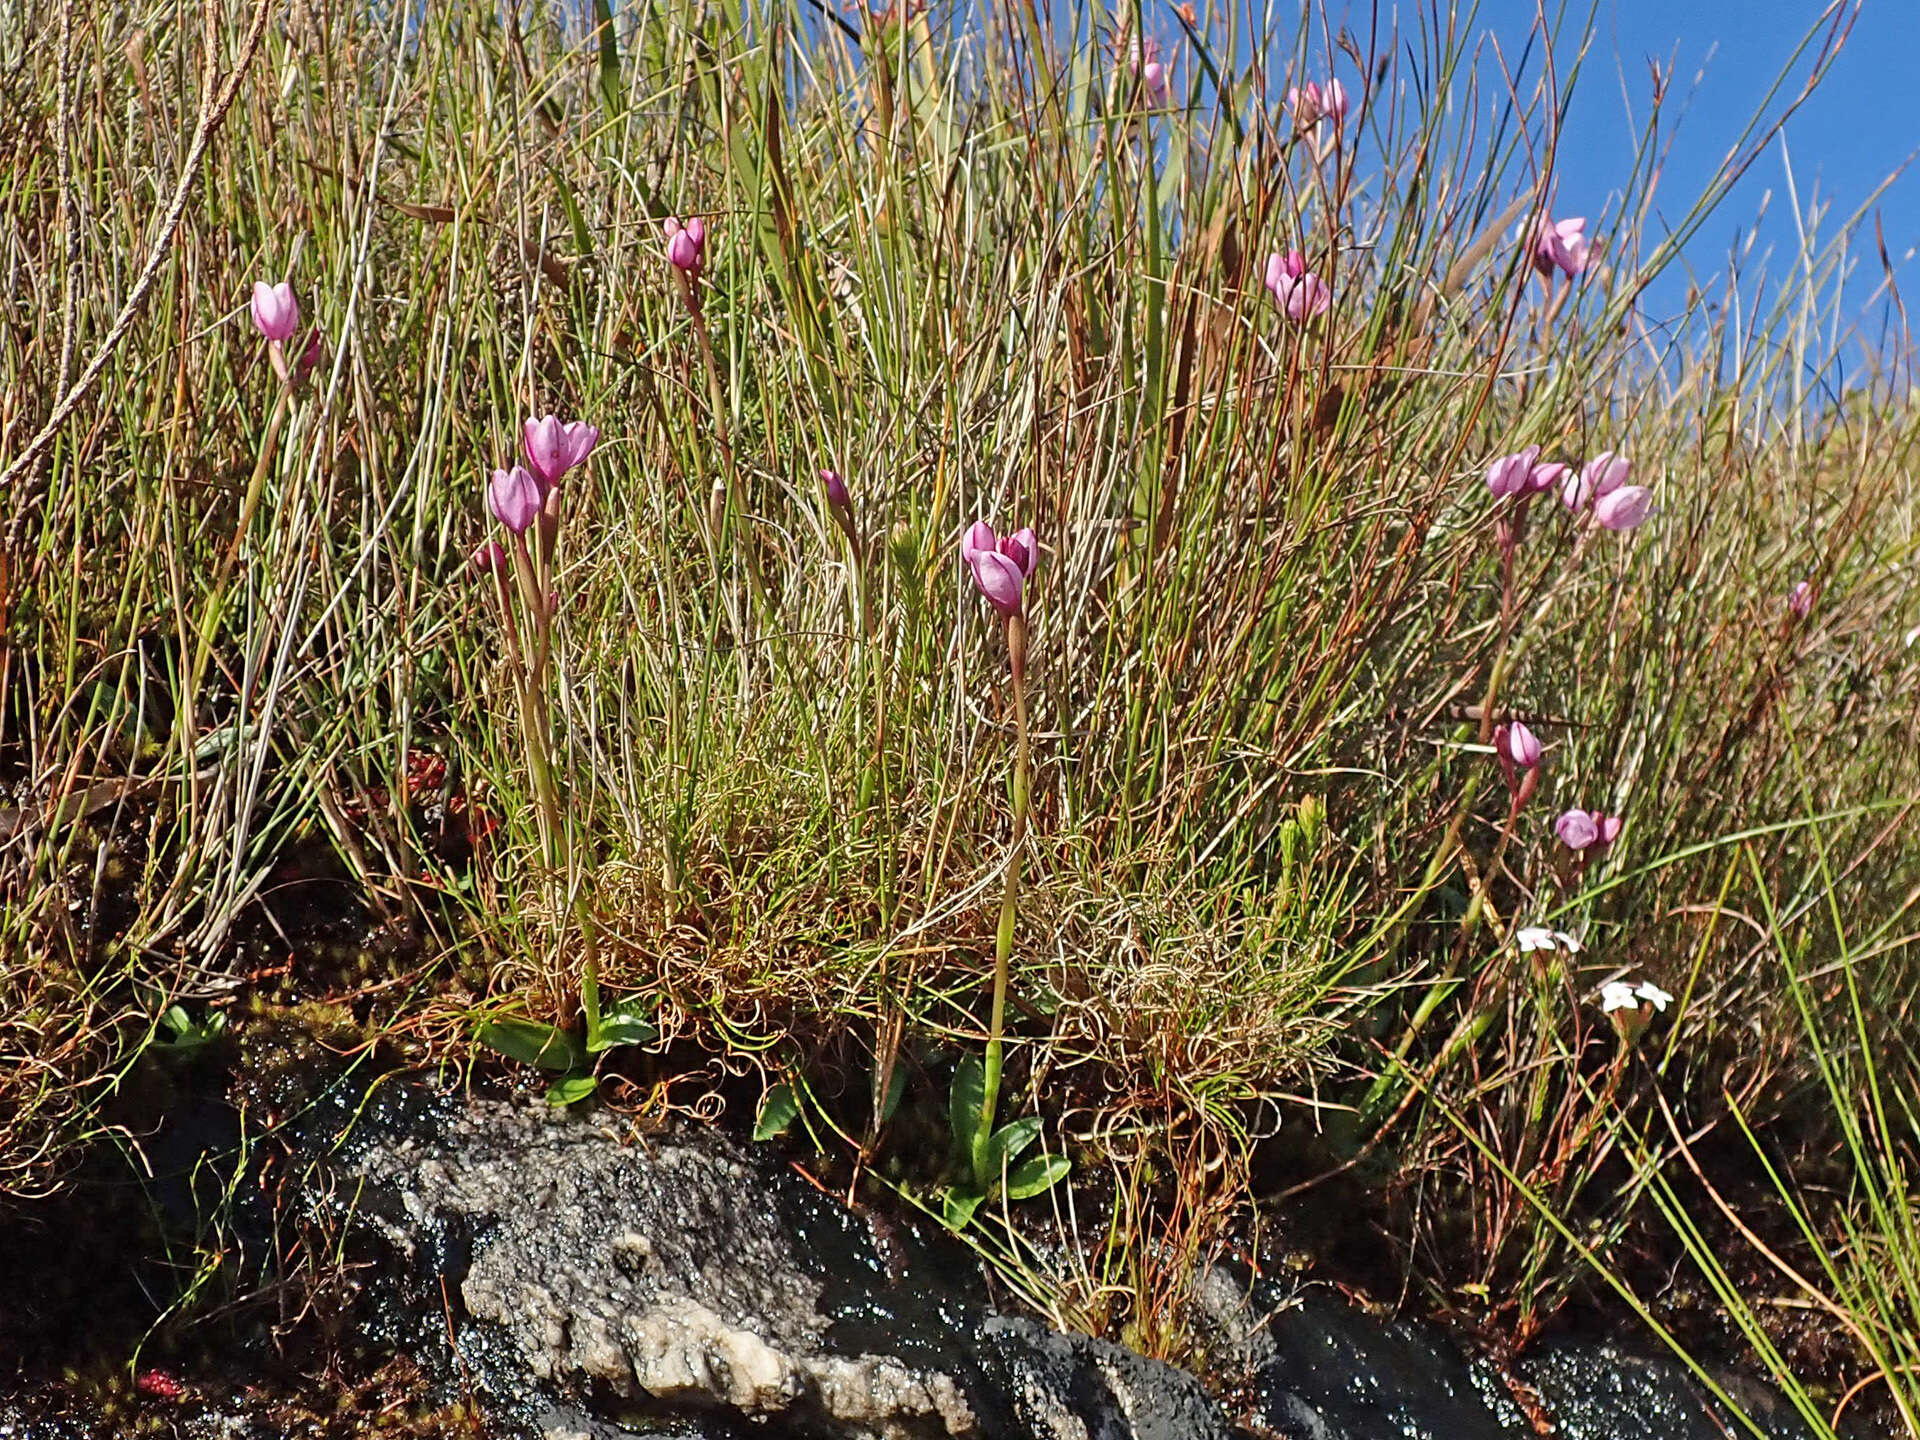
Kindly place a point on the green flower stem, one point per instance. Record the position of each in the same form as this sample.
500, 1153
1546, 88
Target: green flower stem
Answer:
532, 573
1009, 903
217, 592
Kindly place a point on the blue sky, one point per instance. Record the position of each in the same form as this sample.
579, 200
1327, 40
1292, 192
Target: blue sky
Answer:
1860, 126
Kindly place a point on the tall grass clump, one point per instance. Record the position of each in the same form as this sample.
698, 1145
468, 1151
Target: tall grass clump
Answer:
1417, 632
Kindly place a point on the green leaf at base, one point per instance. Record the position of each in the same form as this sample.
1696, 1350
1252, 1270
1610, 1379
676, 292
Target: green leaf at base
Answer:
572, 1089
532, 1043
1011, 1140
957, 1207
963, 1105
625, 1024
777, 1111
1037, 1176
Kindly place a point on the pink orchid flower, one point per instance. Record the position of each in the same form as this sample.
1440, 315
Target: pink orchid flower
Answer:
1299, 292
276, 313
515, 496
1559, 245
1000, 564
554, 446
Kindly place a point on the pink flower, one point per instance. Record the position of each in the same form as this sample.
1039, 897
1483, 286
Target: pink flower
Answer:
554, 446
1517, 745
1150, 68
514, 496
275, 312
1602, 475
1576, 829
1559, 244
687, 244
1624, 508
1299, 292
1521, 473
1000, 564
1545, 477
1610, 827
1512, 474
1311, 104
1800, 599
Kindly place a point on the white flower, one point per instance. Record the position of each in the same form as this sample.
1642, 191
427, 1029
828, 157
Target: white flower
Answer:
1653, 994
1538, 937
1618, 995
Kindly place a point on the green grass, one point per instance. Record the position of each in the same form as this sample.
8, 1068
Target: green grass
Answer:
973, 273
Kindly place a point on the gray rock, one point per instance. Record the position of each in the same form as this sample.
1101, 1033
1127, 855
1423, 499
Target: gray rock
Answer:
1070, 1387
1316, 1368
664, 1273
1601, 1391
615, 1288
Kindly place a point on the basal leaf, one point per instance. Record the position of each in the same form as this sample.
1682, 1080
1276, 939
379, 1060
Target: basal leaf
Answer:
1037, 1176
778, 1109
571, 1089
531, 1043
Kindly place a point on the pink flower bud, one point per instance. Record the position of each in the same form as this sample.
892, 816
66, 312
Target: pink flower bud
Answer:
275, 312
837, 495
554, 447
1000, 565
515, 497
490, 558
1800, 599
1610, 827
686, 244
1624, 508
1144, 56
1517, 745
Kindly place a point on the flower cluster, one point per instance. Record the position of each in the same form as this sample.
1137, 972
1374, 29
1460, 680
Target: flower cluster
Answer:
1630, 995
1521, 474
552, 447
1631, 1005
1599, 486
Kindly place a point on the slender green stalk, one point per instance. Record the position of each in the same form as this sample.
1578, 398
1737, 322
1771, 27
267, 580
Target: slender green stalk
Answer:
1009, 903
